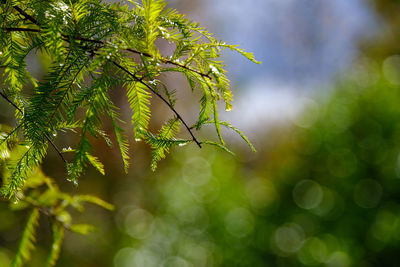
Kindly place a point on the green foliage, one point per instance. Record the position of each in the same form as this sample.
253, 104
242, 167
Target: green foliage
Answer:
91, 48
43, 196
87, 42
165, 139
27, 240
139, 99
58, 235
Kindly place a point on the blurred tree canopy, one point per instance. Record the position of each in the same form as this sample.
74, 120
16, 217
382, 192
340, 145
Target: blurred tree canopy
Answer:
385, 42
325, 193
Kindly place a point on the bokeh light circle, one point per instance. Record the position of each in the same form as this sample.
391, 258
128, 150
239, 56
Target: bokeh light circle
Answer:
307, 194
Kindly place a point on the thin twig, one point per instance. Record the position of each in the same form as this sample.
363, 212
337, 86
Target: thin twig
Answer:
46, 211
17, 29
166, 61
26, 15
45, 135
12, 103
161, 97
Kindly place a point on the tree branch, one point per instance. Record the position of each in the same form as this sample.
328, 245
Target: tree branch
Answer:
26, 15
12, 29
164, 60
161, 97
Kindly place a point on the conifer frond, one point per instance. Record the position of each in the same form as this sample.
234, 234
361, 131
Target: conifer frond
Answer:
29, 157
58, 235
95, 163
94, 200
230, 126
82, 229
151, 12
28, 239
206, 107
217, 123
77, 167
223, 147
13, 58
7, 141
121, 139
139, 100
164, 140
53, 203
219, 44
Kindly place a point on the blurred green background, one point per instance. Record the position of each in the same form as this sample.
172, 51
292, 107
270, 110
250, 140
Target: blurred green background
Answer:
323, 189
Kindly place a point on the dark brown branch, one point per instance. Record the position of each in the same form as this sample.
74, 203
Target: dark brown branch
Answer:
56, 148
166, 61
11, 29
45, 135
9, 101
26, 15
161, 97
